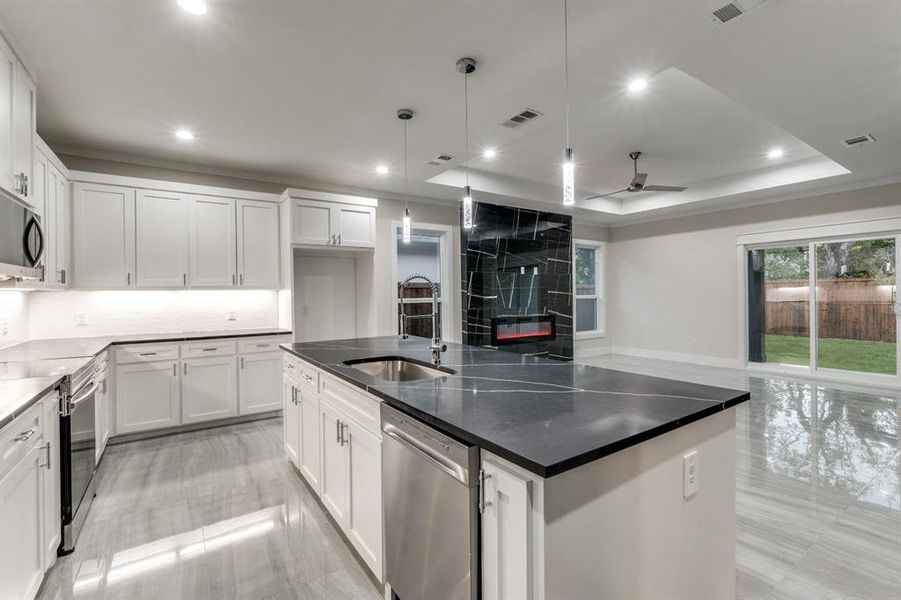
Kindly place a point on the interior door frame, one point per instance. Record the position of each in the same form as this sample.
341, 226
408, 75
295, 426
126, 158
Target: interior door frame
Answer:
447, 233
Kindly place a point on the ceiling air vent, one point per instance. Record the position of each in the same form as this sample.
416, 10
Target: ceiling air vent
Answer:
730, 11
440, 160
858, 141
524, 117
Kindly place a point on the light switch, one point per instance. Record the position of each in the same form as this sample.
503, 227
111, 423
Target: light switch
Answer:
690, 474
81, 319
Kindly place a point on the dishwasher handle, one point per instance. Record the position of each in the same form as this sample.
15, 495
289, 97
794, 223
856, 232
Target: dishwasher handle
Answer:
441, 462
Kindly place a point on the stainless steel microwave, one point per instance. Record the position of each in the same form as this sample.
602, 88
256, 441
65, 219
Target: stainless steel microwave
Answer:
21, 241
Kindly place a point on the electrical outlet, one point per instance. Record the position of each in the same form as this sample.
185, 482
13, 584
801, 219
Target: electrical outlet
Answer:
81, 319
690, 474
693, 343
231, 315
4, 327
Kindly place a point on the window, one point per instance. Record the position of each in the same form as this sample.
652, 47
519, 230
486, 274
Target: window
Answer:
589, 288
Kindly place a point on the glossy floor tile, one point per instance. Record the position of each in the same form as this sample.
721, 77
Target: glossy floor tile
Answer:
818, 501
220, 514
216, 514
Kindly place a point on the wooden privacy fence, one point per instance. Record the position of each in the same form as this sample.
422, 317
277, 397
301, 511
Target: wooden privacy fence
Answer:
856, 309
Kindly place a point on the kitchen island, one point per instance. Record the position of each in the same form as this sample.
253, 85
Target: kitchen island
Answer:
600, 483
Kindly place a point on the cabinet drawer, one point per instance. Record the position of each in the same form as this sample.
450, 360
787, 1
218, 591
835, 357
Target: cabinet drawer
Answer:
291, 366
264, 344
208, 348
20, 436
308, 376
358, 405
146, 353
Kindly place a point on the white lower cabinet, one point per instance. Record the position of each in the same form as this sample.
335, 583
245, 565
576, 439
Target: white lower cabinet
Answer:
335, 489
506, 551
310, 451
365, 517
52, 509
291, 419
147, 396
258, 378
209, 388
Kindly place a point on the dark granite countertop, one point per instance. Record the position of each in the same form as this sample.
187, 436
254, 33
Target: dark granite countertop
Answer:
44, 349
544, 415
18, 395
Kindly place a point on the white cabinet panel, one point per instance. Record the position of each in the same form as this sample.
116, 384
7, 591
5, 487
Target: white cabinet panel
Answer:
291, 419
58, 186
104, 232
21, 527
209, 389
51, 474
365, 524
24, 129
213, 242
310, 439
7, 85
162, 239
39, 197
258, 377
355, 225
505, 535
312, 223
335, 488
257, 244
147, 396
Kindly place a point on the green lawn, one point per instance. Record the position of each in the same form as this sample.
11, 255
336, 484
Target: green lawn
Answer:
850, 355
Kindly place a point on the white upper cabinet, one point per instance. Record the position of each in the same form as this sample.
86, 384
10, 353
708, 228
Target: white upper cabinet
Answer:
212, 242
24, 130
50, 195
331, 222
162, 239
104, 232
257, 244
7, 85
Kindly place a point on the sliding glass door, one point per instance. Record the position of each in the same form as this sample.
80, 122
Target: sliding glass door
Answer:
825, 304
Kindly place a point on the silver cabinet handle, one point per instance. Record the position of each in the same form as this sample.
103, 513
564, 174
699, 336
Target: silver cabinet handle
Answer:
147, 354
175, 369
128, 278
186, 367
46, 465
208, 349
338, 431
241, 279
483, 504
62, 276
24, 436
184, 279
242, 362
306, 377
25, 183
344, 428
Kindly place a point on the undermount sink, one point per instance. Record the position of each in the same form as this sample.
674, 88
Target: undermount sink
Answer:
397, 369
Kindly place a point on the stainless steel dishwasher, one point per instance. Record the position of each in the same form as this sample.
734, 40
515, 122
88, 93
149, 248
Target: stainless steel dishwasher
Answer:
430, 492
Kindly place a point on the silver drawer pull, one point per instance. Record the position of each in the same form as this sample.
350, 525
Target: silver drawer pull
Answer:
210, 349
263, 345
306, 377
147, 354
24, 436
46, 465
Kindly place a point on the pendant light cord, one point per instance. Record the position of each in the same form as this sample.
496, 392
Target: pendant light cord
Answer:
566, 66
466, 120
406, 185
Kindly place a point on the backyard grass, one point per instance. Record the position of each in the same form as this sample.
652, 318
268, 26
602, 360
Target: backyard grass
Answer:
849, 355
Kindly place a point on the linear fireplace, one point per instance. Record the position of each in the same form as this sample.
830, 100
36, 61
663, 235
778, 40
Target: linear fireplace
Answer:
523, 329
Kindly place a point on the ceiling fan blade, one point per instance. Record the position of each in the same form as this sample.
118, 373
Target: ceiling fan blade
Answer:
663, 188
607, 194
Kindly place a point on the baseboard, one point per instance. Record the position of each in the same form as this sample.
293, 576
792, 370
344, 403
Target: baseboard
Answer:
591, 352
698, 359
155, 433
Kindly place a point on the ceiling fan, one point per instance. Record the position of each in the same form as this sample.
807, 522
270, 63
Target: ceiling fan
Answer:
637, 183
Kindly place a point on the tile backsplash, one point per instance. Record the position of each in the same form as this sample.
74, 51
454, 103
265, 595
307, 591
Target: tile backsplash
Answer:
14, 317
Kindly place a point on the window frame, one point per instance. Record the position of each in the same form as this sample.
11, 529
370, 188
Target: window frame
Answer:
600, 288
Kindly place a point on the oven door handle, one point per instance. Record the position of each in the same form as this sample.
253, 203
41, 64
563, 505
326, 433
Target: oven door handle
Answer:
431, 456
81, 397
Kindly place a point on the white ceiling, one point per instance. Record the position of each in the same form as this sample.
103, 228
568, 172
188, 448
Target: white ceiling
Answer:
307, 92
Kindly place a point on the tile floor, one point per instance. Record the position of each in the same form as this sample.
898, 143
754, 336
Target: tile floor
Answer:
219, 514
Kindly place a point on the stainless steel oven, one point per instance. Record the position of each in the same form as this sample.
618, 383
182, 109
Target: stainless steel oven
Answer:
77, 452
21, 241
430, 494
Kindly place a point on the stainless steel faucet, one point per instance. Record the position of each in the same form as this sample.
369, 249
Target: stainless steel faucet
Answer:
435, 346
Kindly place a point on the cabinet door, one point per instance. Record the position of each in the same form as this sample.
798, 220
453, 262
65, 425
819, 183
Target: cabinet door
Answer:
209, 388
365, 527
258, 376
212, 241
21, 533
310, 440
312, 223
257, 244
355, 225
42, 199
24, 129
147, 396
51, 474
291, 418
61, 227
335, 494
104, 236
505, 535
7, 85
162, 239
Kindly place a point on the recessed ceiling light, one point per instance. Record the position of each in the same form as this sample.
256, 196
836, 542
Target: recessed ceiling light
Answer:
381, 170
195, 7
489, 153
775, 153
184, 134
638, 84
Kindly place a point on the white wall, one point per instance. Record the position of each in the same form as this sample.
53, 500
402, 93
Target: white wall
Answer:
14, 317
52, 314
673, 285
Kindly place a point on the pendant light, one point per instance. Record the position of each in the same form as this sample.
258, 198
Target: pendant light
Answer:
569, 167
405, 114
466, 66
